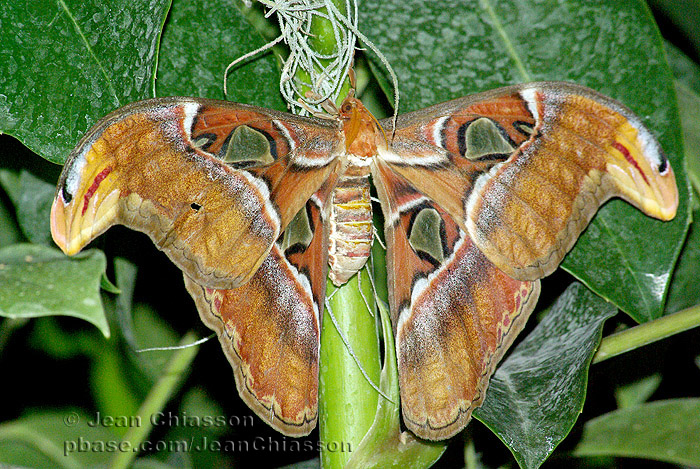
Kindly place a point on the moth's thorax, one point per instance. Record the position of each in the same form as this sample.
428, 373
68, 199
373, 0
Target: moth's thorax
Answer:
361, 130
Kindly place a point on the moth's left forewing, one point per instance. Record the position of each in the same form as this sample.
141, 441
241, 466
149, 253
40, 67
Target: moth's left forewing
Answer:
455, 314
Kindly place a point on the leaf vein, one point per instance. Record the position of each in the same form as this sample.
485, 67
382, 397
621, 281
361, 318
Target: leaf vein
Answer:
510, 49
90, 51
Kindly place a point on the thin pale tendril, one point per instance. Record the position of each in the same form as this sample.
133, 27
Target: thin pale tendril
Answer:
352, 352
326, 72
177, 347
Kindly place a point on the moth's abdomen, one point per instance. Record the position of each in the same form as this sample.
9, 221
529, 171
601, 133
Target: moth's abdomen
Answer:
350, 237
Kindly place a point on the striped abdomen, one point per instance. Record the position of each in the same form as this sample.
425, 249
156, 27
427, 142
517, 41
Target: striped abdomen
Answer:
350, 237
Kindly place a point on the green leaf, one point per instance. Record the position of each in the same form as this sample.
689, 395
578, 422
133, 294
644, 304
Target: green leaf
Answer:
151, 331
65, 64
685, 18
199, 41
107, 285
685, 288
684, 69
637, 392
536, 395
666, 431
125, 277
9, 180
54, 339
39, 281
32, 197
198, 406
451, 49
110, 386
9, 230
34, 208
689, 102
171, 378
54, 438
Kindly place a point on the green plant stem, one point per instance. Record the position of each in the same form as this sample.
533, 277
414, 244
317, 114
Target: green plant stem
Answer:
173, 375
647, 333
347, 400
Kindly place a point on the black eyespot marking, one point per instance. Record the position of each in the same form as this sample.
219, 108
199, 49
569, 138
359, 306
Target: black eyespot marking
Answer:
663, 166
67, 197
195, 206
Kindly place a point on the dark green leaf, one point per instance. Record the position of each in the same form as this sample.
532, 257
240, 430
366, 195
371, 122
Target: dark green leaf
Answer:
9, 180
685, 18
34, 207
536, 395
9, 230
637, 392
125, 276
51, 439
32, 197
689, 103
53, 338
684, 69
666, 431
199, 41
65, 64
41, 281
107, 285
110, 386
196, 405
685, 288
151, 331
451, 49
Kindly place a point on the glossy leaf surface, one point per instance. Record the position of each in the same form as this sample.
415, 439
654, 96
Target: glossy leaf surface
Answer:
65, 64
537, 393
203, 37
40, 281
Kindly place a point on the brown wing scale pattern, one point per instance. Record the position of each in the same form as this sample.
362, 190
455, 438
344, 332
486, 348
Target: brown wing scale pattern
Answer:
142, 167
270, 327
455, 313
482, 196
572, 150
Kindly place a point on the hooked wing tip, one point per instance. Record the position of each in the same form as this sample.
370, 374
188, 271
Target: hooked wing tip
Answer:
61, 228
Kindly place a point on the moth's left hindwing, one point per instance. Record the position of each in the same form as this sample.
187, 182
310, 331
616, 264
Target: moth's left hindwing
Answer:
212, 183
270, 327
